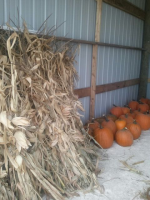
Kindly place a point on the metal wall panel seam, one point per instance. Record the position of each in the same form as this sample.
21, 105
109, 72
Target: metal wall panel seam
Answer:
88, 20
65, 19
81, 19
86, 66
5, 11
20, 13
103, 65
73, 18
45, 16
80, 38
55, 14
33, 14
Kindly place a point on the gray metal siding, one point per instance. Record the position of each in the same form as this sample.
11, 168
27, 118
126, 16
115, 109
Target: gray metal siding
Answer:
75, 18
118, 27
83, 65
148, 91
115, 65
85, 115
1, 13
120, 97
138, 3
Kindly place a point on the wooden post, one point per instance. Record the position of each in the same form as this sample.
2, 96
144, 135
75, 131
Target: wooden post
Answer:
145, 55
94, 58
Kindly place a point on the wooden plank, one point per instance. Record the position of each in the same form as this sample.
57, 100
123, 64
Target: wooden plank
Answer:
116, 85
127, 7
144, 71
93, 81
90, 42
94, 58
83, 92
95, 43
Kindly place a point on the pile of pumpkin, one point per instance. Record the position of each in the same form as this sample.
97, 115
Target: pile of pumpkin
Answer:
123, 125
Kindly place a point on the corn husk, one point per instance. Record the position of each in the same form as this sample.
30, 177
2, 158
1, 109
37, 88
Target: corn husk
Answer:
44, 146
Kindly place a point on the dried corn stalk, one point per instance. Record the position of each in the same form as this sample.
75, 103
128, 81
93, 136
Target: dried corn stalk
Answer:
42, 141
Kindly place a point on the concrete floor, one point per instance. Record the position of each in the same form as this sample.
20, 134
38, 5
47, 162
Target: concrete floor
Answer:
121, 183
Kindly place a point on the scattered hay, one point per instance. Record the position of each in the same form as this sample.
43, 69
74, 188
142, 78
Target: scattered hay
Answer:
130, 168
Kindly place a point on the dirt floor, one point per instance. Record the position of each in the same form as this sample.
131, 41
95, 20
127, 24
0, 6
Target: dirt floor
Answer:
125, 172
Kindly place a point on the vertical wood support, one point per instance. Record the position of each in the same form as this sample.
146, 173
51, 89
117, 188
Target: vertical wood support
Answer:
94, 58
145, 54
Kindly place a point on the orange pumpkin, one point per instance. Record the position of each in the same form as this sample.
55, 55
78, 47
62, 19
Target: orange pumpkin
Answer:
148, 102
109, 124
127, 118
133, 105
135, 129
143, 107
120, 124
144, 100
143, 120
124, 137
94, 124
125, 110
104, 137
116, 110
132, 114
148, 115
136, 112
111, 117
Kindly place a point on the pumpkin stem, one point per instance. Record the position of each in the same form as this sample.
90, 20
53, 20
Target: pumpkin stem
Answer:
147, 111
140, 102
134, 121
93, 120
126, 106
126, 115
107, 120
114, 105
100, 126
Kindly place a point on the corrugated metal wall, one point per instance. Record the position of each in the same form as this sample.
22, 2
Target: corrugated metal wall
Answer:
76, 19
138, 3
114, 64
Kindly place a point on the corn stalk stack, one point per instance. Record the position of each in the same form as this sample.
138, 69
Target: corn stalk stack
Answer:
43, 146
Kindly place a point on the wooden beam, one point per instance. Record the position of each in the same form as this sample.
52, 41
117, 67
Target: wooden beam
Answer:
127, 7
94, 58
85, 92
89, 42
97, 43
146, 54
116, 85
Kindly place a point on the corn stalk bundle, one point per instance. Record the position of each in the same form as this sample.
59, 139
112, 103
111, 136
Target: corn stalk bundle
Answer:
43, 146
